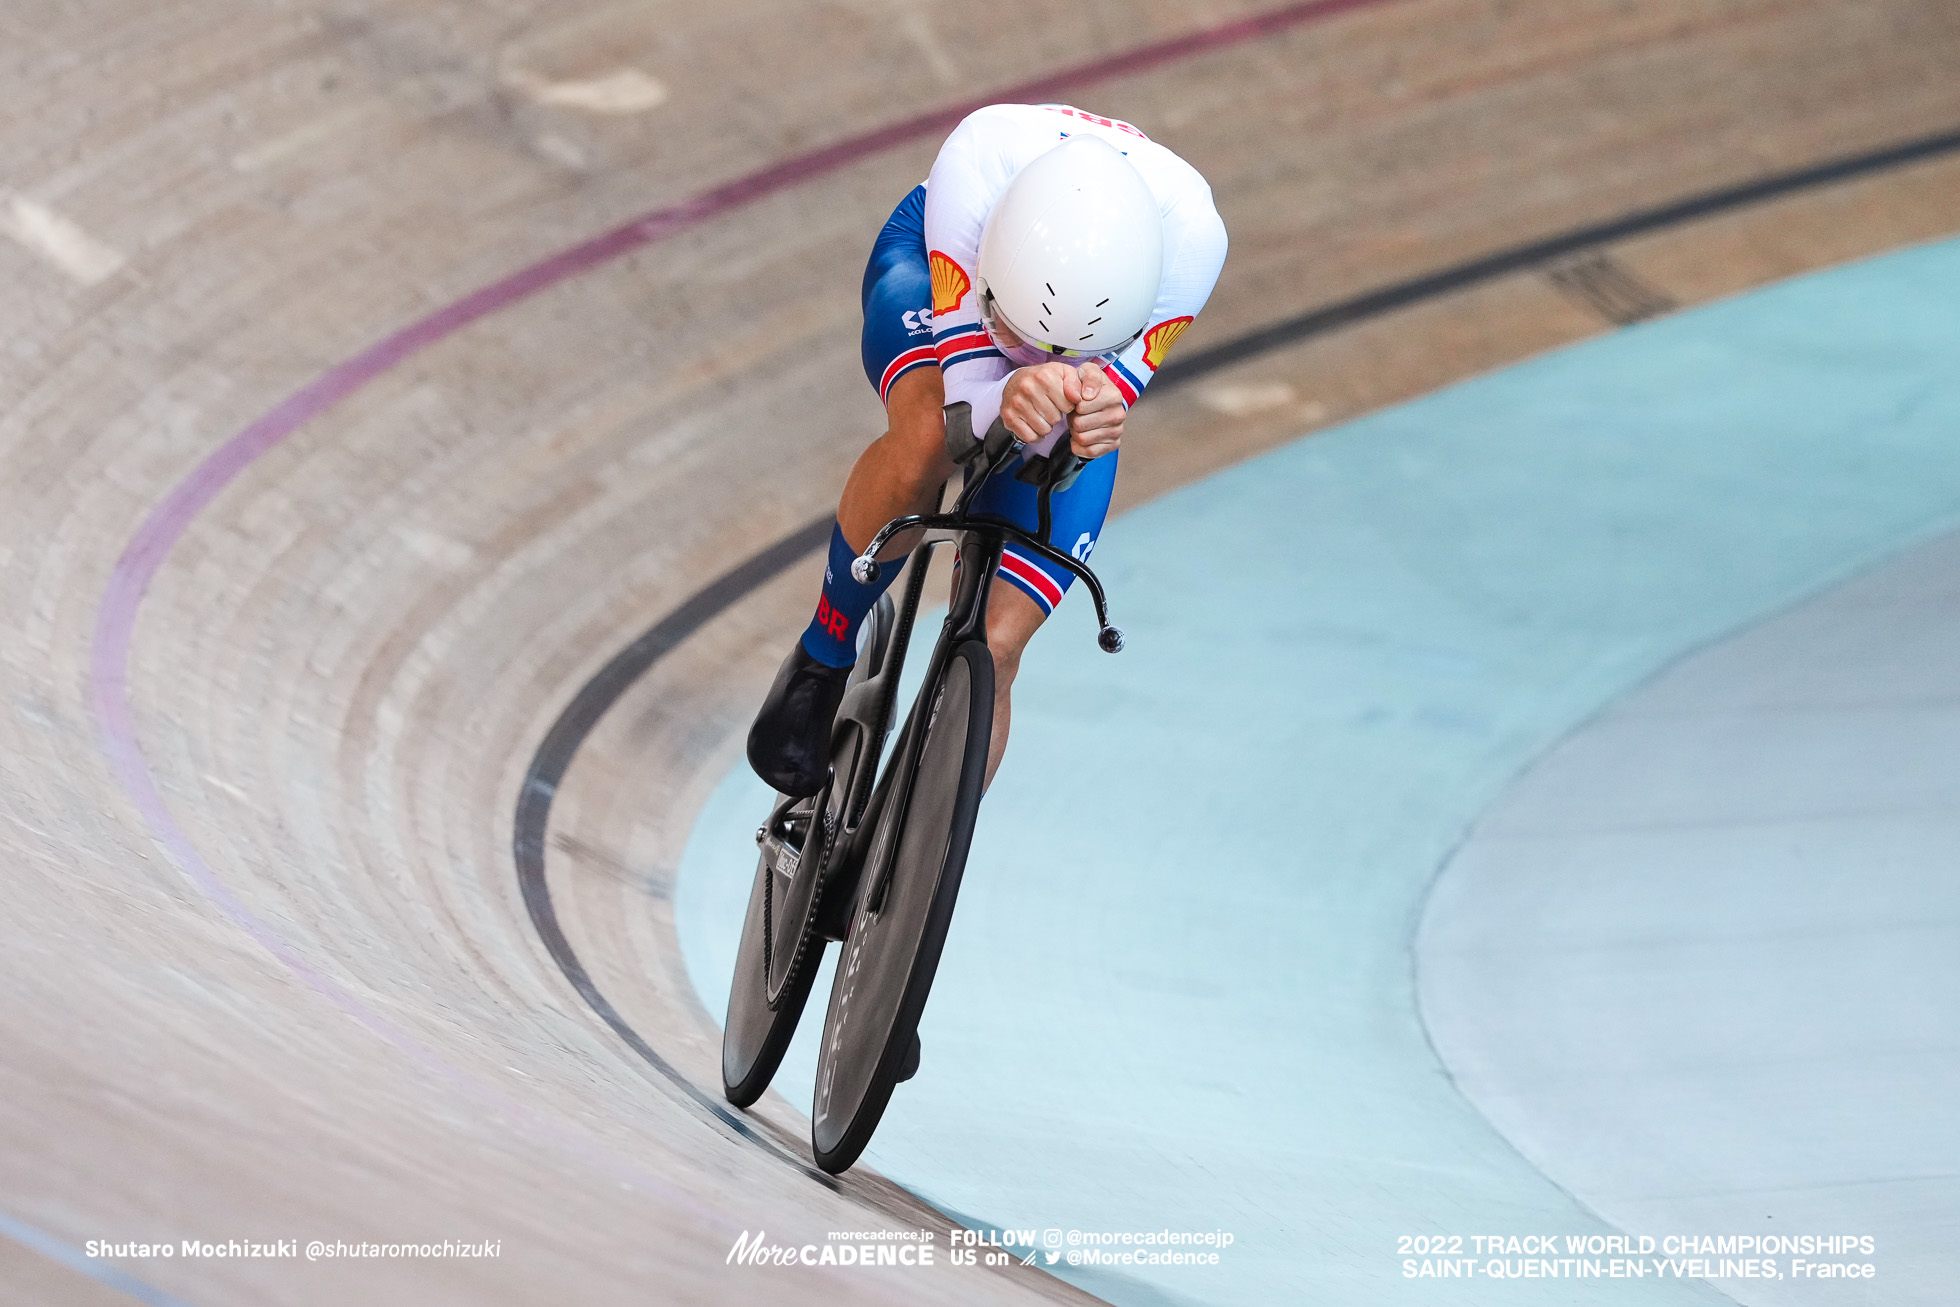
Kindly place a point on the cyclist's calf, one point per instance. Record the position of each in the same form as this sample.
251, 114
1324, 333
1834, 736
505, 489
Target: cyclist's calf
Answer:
1012, 620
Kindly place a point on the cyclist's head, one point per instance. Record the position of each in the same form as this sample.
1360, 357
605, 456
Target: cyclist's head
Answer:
1073, 251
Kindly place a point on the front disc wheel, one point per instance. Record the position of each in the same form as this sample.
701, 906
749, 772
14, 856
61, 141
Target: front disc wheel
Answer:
905, 907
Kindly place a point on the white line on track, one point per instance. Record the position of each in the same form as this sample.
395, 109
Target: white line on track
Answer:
218, 783
1250, 398
306, 135
622, 91
59, 240
435, 548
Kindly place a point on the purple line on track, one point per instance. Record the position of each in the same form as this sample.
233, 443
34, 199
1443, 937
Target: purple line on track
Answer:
144, 556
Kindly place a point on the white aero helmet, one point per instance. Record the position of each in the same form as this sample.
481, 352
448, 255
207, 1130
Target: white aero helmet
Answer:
1073, 251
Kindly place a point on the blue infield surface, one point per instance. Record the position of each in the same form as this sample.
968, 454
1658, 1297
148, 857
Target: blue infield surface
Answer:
1178, 994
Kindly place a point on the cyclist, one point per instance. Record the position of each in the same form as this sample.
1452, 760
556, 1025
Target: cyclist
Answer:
1039, 275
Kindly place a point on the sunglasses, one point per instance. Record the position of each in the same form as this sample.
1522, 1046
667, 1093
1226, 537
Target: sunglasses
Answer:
994, 319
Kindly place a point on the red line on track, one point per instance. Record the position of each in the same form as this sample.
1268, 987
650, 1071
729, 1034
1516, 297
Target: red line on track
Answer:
166, 523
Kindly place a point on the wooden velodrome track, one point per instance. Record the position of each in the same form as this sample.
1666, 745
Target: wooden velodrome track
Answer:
267, 968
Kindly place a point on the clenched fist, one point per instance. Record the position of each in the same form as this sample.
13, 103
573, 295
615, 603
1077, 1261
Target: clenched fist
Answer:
1036, 398
1096, 426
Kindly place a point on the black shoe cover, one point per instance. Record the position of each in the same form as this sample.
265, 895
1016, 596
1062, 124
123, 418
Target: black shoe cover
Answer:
789, 745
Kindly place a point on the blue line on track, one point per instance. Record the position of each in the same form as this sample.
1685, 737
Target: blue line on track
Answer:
73, 1258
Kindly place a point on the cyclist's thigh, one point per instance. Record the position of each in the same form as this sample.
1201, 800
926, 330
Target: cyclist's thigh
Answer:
897, 298
1078, 514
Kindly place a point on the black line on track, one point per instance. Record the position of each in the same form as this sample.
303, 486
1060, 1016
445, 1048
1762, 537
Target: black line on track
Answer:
555, 753
599, 694
1331, 317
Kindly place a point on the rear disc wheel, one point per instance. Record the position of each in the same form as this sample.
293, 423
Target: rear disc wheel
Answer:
773, 966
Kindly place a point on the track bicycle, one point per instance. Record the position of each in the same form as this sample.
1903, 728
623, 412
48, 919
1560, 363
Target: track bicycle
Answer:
877, 864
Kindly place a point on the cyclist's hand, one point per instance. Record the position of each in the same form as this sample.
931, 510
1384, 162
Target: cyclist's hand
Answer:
1036, 398
1096, 426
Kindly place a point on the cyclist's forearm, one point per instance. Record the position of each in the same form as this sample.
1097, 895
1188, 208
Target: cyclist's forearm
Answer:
984, 394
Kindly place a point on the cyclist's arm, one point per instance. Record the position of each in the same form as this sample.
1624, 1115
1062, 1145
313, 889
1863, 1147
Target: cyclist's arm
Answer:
972, 171
1194, 239
1195, 249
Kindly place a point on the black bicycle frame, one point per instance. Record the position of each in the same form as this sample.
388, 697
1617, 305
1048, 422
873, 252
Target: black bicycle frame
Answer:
984, 459
982, 540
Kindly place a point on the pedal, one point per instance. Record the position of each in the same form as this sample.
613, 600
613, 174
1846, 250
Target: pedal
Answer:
781, 841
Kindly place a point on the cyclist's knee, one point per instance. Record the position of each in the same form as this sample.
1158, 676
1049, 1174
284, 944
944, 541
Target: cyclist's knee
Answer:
1012, 620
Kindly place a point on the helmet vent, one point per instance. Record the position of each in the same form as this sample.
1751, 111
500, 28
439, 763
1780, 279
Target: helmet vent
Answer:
1051, 289
1099, 304
1092, 322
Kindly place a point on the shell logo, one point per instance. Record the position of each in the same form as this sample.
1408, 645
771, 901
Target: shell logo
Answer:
949, 283
1158, 340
